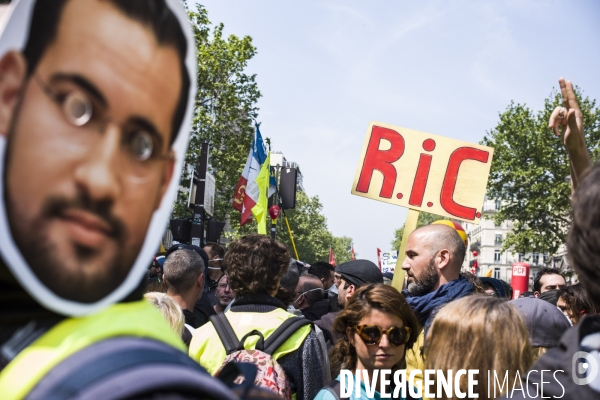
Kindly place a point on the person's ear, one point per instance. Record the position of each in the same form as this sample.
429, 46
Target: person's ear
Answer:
163, 277
167, 175
350, 291
323, 281
200, 281
443, 258
13, 69
536, 294
349, 332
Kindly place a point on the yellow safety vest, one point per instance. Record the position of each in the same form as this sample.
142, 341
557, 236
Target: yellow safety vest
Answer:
207, 349
138, 319
414, 359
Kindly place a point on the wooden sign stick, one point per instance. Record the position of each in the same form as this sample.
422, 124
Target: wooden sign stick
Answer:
409, 226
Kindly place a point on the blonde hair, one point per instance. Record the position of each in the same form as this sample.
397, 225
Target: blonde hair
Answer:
537, 352
479, 332
168, 308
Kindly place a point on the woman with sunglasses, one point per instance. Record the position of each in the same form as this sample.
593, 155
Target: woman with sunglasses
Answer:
377, 326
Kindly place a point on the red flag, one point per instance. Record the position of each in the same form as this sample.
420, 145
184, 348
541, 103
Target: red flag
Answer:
352, 253
379, 257
331, 256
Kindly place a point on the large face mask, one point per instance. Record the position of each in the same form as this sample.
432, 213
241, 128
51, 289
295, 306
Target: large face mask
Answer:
88, 167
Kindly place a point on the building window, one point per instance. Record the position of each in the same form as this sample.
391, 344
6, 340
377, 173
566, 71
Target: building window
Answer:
521, 257
546, 257
536, 259
497, 273
498, 240
496, 256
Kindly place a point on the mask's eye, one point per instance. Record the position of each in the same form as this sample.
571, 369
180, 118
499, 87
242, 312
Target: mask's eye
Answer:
142, 146
77, 108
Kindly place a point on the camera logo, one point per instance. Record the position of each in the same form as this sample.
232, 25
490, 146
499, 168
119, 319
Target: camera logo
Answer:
584, 368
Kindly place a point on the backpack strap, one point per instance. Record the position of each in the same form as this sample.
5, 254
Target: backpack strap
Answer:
283, 333
260, 344
333, 387
226, 333
114, 368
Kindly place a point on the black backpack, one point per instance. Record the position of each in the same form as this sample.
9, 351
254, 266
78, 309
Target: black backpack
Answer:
129, 368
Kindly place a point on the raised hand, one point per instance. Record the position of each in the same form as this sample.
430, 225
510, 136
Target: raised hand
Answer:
570, 118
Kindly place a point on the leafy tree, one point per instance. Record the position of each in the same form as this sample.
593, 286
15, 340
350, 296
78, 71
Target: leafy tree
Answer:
309, 229
530, 173
224, 110
341, 248
425, 218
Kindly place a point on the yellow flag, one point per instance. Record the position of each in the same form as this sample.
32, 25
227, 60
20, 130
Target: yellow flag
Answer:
260, 209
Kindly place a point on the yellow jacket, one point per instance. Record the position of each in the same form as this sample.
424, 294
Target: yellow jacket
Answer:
207, 349
138, 319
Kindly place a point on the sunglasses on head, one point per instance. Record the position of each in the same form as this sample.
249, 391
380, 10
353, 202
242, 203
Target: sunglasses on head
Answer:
372, 334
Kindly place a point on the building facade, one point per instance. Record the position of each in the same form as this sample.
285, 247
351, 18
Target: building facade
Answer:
487, 239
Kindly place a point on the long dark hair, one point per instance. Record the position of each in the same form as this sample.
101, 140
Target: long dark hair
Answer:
371, 297
577, 300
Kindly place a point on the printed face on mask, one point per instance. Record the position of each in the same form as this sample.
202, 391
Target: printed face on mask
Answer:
88, 130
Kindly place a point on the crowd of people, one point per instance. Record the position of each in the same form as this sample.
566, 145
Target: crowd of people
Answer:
444, 320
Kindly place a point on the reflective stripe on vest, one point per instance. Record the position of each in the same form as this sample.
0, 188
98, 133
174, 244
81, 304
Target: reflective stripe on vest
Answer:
206, 346
138, 319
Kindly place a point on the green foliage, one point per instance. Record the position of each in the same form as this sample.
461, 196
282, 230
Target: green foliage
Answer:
224, 110
424, 219
225, 107
530, 171
309, 229
342, 247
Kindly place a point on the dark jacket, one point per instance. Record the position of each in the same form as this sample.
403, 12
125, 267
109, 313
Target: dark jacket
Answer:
203, 310
316, 311
326, 324
557, 366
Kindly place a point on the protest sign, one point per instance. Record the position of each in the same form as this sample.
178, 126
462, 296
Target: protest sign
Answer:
388, 261
423, 172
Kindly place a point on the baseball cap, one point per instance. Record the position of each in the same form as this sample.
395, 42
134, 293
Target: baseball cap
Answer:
545, 323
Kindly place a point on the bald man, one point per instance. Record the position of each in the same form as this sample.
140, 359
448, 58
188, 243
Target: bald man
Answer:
309, 297
434, 255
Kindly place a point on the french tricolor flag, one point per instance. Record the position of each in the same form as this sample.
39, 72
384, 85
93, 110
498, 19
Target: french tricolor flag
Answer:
247, 190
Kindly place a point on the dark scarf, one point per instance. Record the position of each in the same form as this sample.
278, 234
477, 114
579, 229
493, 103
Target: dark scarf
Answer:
427, 306
256, 302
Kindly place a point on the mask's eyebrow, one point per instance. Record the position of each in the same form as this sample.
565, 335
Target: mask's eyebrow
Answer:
83, 83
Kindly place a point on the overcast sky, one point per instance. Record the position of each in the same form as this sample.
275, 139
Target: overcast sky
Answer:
326, 69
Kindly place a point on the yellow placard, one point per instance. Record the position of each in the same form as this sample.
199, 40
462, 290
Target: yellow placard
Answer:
423, 171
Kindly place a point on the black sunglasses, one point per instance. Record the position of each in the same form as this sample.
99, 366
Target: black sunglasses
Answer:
372, 334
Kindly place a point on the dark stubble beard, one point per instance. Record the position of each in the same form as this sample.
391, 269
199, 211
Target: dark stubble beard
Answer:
39, 250
426, 282
40, 253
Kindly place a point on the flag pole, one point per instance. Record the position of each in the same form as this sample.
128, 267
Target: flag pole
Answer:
409, 226
291, 237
